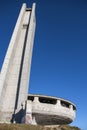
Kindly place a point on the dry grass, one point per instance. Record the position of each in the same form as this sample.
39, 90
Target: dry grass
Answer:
32, 127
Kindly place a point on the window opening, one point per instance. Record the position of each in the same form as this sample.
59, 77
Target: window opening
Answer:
31, 98
65, 104
47, 100
74, 108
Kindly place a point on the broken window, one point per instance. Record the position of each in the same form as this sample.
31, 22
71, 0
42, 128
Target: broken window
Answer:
47, 100
31, 98
65, 104
74, 108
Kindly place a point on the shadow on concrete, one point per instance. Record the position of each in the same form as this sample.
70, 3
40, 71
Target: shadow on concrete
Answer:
18, 117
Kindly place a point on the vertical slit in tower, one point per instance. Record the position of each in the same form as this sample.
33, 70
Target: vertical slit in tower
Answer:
21, 66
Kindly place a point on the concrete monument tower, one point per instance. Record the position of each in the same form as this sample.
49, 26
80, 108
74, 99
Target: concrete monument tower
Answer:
15, 73
15, 103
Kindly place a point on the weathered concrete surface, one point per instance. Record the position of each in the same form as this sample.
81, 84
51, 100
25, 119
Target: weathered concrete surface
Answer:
15, 73
49, 110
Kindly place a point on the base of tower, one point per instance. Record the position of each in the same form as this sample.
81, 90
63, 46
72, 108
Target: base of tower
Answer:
9, 117
5, 117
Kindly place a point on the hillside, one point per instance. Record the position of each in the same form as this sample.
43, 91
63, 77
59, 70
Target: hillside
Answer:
32, 127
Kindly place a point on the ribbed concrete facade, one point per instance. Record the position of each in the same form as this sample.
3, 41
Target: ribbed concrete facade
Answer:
15, 73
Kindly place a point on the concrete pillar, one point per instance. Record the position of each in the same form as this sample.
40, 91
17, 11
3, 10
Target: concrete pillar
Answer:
58, 103
28, 116
71, 107
36, 99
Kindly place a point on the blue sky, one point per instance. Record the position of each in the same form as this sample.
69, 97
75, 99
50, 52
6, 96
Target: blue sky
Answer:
59, 63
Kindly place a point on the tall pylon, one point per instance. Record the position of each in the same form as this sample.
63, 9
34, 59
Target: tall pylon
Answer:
15, 72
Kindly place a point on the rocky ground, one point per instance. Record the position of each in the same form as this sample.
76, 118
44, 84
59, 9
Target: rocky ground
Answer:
32, 127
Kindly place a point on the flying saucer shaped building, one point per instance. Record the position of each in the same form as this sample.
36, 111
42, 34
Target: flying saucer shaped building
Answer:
47, 110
